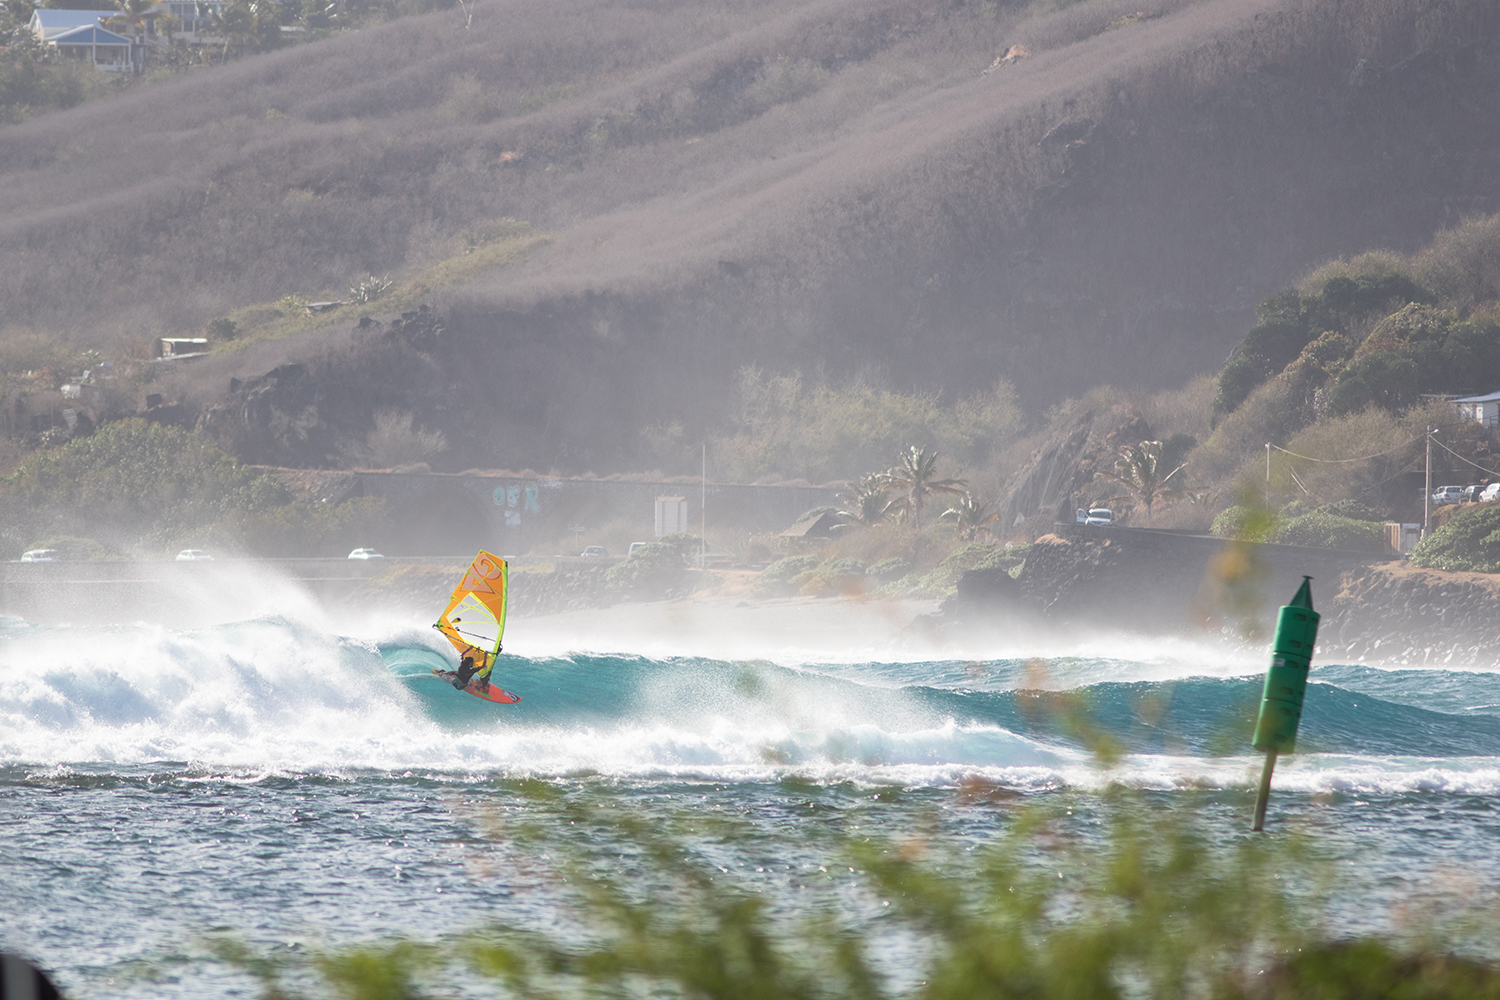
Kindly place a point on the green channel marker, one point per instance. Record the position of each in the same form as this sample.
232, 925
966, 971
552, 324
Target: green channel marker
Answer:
1286, 686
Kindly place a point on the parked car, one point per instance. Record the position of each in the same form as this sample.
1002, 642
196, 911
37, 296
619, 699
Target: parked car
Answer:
39, 555
193, 555
636, 545
1448, 494
365, 554
594, 552
1491, 492
1100, 515
1471, 493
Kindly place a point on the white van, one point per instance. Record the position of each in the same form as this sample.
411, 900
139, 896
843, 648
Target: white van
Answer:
39, 555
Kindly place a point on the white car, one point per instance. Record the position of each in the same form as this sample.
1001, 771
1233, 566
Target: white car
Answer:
1447, 494
365, 554
594, 552
39, 555
1490, 492
193, 555
1100, 515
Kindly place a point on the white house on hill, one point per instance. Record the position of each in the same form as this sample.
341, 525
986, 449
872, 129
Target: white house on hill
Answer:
105, 49
79, 34
46, 24
1483, 410
196, 16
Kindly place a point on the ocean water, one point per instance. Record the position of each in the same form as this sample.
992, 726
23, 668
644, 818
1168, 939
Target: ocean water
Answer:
299, 782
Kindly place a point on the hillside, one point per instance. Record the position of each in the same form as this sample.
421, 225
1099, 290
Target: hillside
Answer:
929, 196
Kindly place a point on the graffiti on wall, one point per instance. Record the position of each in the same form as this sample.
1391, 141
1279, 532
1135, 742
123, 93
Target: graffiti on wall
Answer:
517, 499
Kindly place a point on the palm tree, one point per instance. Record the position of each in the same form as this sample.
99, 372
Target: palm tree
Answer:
134, 12
1138, 471
916, 478
970, 515
865, 502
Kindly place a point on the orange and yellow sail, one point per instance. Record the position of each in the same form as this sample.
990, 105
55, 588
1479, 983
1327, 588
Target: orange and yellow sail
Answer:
474, 620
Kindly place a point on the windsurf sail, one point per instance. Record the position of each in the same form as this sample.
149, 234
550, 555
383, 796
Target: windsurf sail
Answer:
474, 620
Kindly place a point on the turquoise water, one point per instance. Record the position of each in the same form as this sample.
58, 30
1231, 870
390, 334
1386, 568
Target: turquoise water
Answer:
297, 787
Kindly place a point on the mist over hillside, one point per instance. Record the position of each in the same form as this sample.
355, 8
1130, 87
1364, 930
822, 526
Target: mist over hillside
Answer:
931, 196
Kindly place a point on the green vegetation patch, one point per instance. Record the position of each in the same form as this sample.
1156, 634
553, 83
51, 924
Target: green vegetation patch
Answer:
942, 580
654, 569
1468, 543
135, 485
776, 579
832, 576
1325, 529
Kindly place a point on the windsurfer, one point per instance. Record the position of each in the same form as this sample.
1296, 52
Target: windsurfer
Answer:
472, 663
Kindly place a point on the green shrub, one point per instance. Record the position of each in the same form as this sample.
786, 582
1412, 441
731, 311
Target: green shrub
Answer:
653, 570
1470, 542
889, 569
1354, 510
1247, 522
776, 579
942, 580
139, 484
833, 576
222, 328
786, 426
1324, 529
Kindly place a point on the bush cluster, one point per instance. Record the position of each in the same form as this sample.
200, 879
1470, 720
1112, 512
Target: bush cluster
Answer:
840, 575
1470, 542
139, 486
655, 569
1324, 529
942, 580
1369, 334
786, 426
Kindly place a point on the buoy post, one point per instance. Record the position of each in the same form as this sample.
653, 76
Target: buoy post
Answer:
1285, 688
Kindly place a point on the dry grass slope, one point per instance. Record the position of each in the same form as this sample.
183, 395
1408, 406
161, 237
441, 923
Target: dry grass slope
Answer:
835, 185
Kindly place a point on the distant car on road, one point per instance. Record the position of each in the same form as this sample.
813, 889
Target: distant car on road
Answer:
636, 545
1448, 494
194, 555
594, 552
365, 554
39, 555
1471, 493
1100, 516
1491, 492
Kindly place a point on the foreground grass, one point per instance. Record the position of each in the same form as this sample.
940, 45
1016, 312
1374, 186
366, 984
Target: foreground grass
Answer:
1140, 898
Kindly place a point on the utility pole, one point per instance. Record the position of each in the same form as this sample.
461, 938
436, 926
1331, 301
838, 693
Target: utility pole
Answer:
1427, 492
1268, 475
703, 512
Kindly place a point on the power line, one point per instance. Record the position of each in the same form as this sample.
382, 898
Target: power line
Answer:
1462, 459
1341, 461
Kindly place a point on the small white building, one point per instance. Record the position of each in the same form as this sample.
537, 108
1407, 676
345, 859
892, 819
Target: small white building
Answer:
671, 515
1483, 410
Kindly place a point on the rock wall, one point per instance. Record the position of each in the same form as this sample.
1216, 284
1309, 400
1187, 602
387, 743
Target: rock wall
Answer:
1400, 614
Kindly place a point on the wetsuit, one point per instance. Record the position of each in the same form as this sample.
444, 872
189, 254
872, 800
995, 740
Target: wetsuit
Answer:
466, 670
